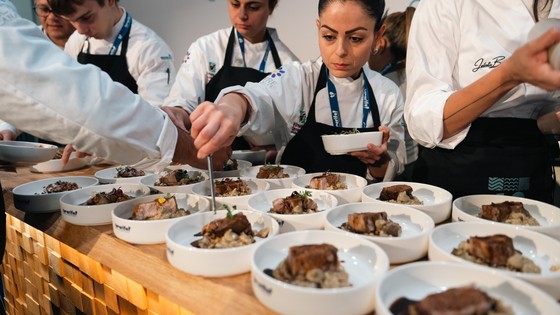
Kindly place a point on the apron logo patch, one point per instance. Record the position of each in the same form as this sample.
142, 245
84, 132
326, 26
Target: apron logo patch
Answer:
168, 57
212, 67
277, 72
508, 184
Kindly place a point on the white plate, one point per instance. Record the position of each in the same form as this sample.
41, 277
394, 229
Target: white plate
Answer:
240, 202
354, 183
541, 249
109, 176
241, 164
293, 222
21, 152
468, 208
212, 262
151, 180
55, 165
292, 171
29, 197
417, 280
151, 231
255, 157
74, 210
364, 261
436, 201
344, 143
411, 245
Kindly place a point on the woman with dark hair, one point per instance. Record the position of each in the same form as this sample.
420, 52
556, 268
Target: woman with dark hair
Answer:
475, 88
332, 94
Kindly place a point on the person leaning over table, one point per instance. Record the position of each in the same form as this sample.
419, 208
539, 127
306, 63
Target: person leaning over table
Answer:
389, 58
246, 52
475, 87
299, 94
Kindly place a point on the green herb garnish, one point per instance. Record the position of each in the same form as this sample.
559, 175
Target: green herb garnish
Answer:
302, 194
229, 215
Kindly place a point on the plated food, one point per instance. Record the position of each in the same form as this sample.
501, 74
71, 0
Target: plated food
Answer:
93, 205
277, 175
432, 200
296, 210
400, 230
350, 141
174, 181
231, 191
507, 249
303, 251
345, 187
44, 195
120, 174
21, 152
458, 287
145, 220
523, 212
221, 256
229, 170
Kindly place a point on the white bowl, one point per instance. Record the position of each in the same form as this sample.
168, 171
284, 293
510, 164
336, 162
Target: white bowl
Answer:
344, 143
468, 208
352, 194
241, 164
109, 176
436, 201
540, 28
151, 180
216, 262
417, 280
542, 249
256, 185
255, 157
74, 210
364, 261
293, 222
29, 197
22, 152
275, 183
151, 231
411, 245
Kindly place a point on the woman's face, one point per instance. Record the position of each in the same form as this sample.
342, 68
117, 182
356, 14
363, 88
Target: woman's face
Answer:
56, 27
346, 36
249, 17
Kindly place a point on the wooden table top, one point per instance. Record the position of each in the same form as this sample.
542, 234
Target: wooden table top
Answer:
145, 264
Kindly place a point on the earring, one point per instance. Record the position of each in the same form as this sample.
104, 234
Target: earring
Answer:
375, 51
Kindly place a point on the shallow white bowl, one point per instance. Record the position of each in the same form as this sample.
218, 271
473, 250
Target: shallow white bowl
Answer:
278, 183
468, 208
150, 181
29, 197
55, 165
109, 176
352, 194
151, 231
417, 280
256, 185
293, 222
364, 261
437, 201
344, 143
215, 262
74, 210
26, 152
255, 157
241, 164
542, 249
415, 225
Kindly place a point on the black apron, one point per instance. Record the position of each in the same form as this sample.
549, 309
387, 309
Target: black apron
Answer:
114, 65
306, 149
229, 76
500, 156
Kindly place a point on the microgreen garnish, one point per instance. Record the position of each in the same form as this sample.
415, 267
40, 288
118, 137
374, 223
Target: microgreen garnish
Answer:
229, 215
302, 194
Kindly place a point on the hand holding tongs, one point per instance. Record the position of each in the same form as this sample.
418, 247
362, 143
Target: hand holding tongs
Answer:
212, 191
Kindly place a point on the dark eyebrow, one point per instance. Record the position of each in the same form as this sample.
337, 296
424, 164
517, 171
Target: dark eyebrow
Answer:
359, 28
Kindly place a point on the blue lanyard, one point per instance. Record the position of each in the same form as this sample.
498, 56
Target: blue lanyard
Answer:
391, 67
241, 41
124, 30
333, 100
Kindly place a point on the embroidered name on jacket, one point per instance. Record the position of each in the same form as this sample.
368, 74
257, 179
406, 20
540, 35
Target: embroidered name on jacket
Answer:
488, 63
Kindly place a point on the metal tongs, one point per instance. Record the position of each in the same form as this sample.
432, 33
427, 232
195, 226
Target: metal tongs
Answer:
212, 190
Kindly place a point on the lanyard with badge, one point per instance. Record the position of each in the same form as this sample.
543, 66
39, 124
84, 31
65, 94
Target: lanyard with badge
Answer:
333, 100
123, 31
241, 41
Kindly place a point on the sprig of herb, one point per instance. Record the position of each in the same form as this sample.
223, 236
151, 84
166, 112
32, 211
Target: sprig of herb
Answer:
229, 214
302, 194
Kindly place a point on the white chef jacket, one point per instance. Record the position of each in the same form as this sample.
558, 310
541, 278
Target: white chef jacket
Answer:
289, 91
45, 92
149, 58
205, 57
454, 43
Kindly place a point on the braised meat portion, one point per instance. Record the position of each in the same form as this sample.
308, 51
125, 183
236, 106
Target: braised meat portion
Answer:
228, 187
271, 172
237, 223
161, 208
511, 212
392, 192
128, 171
372, 223
304, 258
296, 203
494, 250
327, 181
102, 198
179, 177
60, 186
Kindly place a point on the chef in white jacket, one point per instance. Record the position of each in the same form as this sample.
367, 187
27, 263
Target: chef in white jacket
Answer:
475, 89
298, 96
45, 92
